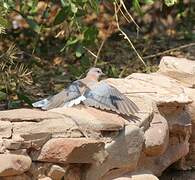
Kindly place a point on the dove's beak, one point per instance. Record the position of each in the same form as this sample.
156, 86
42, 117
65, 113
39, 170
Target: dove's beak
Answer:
103, 74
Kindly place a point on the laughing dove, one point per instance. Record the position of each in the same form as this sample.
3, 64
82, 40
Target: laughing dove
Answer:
90, 92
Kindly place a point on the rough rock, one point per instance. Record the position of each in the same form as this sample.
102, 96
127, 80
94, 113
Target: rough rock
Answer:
45, 178
2, 147
39, 170
157, 87
179, 120
140, 176
73, 173
14, 143
31, 115
158, 164
157, 136
34, 141
12, 164
5, 129
63, 128
180, 69
191, 107
56, 172
91, 118
124, 152
70, 150
19, 177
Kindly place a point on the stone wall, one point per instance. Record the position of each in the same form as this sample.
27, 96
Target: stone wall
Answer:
84, 143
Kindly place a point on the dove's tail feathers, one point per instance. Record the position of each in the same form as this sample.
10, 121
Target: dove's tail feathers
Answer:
41, 104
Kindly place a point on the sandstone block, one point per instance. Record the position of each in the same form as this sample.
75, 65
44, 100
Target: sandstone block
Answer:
158, 164
19, 177
56, 172
91, 118
20, 115
39, 169
157, 87
157, 136
12, 164
69, 150
5, 129
138, 177
180, 69
73, 173
124, 152
61, 127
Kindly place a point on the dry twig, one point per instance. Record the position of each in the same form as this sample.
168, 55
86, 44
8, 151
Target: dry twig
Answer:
125, 36
122, 3
169, 50
98, 53
90, 52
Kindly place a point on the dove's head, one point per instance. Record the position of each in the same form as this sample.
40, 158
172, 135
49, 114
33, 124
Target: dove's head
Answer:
95, 73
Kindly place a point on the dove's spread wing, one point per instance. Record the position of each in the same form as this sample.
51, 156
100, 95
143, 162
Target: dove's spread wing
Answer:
60, 99
107, 97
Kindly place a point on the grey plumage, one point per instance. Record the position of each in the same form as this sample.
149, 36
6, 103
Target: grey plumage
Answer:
59, 100
91, 93
105, 96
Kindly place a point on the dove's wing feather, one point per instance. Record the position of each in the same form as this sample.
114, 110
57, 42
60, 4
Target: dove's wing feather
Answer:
58, 100
105, 96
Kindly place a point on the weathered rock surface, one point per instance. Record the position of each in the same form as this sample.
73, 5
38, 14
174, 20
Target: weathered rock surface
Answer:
63, 128
11, 164
56, 172
70, 150
39, 170
139, 176
124, 152
157, 87
180, 69
73, 173
91, 118
5, 129
90, 144
19, 177
183, 70
31, 115
158, 128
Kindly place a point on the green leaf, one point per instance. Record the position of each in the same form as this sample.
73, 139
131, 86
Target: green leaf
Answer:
33, 25
6, 5
74, 70
64, 3
2, 96
72, 41
79, 52
170, 2
25, 99
85, 62
94, 5
74, 9
33, 6
14, 104
148, 1
114, 71
137, 7
3, 22
60, 17
90, 34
